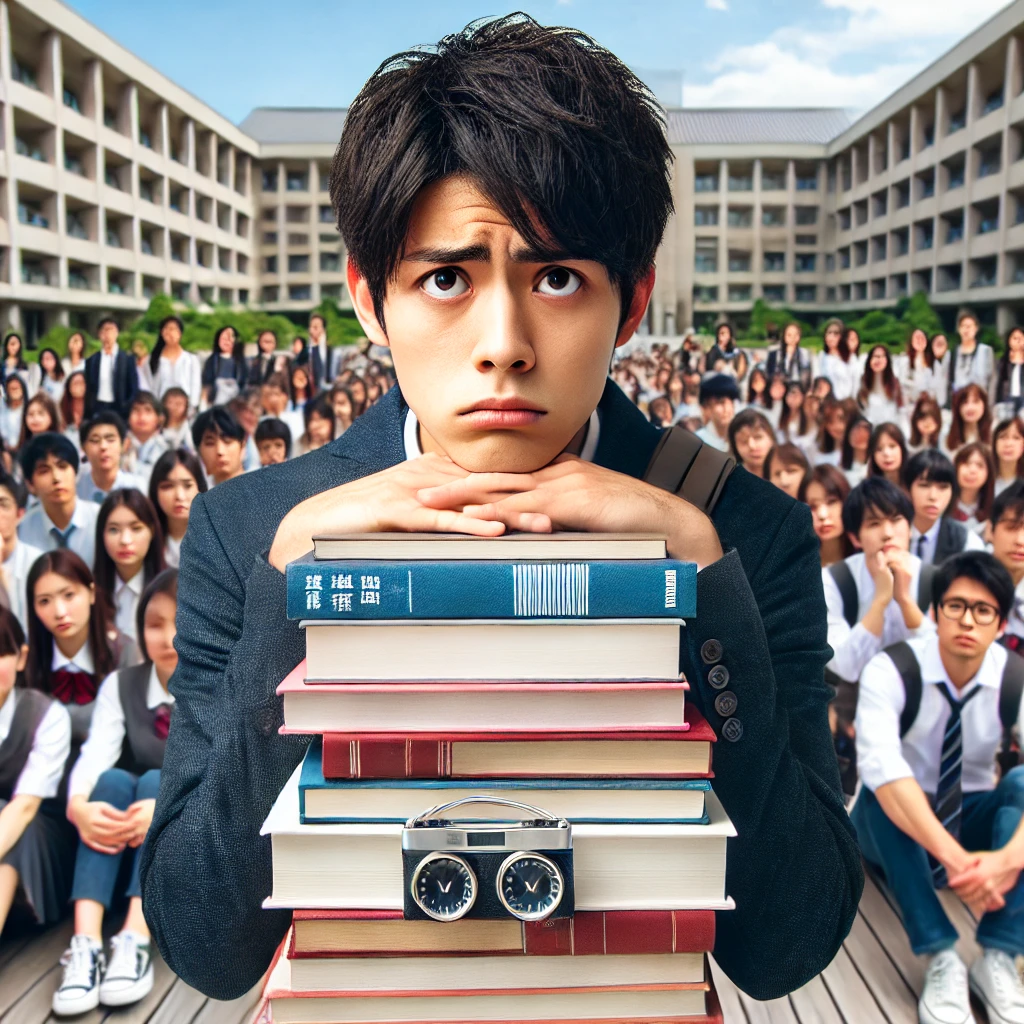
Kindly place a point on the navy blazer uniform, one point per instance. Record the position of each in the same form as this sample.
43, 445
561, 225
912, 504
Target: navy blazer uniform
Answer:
125, 383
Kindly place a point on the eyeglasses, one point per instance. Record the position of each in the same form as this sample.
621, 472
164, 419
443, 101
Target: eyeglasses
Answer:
982, 612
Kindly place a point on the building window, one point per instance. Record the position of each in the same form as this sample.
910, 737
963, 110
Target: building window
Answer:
806, 293
773, 216
902, 190
71, 100
146, 244
706, 261
774, 292
73, 164
957, 120
330, 239
739, 262
297, 181
844, 258
879, 246
925, 235
33, 272
806, 262
928, 136
269, 181
901, 242
993, 101
269, 264
954, 227
927, 184
988, 221
805, 215
844, 219
74, 226
23, 73
705, 216
300, 293
330, 291
983, 272
32, 215
705, 183
773, 181
989, 162
30, 149
806, 240
270, 238
146, 191
705, 293
774, 262
739, 293
807, 183
78, 280
269, 293
741, 183
298, 264
110, 118
741, 216
145, 139
326, 215
330, 262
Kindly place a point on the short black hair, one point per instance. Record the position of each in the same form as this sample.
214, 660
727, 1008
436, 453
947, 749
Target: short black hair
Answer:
14, 487
550, 126
148, 398
104, 418
718, 385
932, 466
273, 429
981, 567
317, 316
1009, 500
220, 421
42, 446
106, 320
879, 494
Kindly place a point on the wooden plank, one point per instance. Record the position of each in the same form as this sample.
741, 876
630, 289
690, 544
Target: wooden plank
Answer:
26, 972
771, 1011
887, 927
886, 983
181, 1003
235, 1011
728, 995
856, 1003
12, 948
813, 1003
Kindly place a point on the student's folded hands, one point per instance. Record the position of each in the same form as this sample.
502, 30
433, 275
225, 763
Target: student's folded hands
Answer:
101, 826
982, 884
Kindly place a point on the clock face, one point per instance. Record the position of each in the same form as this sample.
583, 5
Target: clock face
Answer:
444, 887
529, 886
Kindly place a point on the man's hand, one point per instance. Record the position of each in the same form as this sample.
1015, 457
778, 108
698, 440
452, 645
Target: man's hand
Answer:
883, 576
101, 826
382, 502
899, 566
140, 817
571, 494
982, 885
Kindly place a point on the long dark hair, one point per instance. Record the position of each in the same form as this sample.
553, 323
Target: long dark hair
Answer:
102, 631
893, 432
66, 401
955, 437
835, 485
988, 489
21, 364
752, 398
152, 563
890, 385
44, 399
925, 406
787, 413
165, 582
731, 342
237, 357
929, 356
319, 406
158, 348
162, 470
846, 461
1003, 371
843, 351
58, 366
1001, 429
12, 639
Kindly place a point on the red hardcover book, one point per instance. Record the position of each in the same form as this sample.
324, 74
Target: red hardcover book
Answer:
678, 752
333, 933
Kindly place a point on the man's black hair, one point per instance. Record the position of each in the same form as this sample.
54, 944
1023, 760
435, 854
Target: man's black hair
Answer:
981, 567
14, 487
42, 446
106, 320
147, 398
877, 494
219, 421
553, 128
104, 418
932, 466
273, 429
1008, 502
718, 385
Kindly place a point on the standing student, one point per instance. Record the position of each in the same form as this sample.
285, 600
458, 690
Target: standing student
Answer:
942, 368
72, 408
787, 467
723, 352
111, 376
220, 442
145, 442
273, 441
913, 368
930, 479
177, 478
931, 812
751, 437
322, 357
887, 453
225, 371
36, 843
266, 361
856, 441
17, 555
1009, 381
829, 364
61, 519
104, 440
925, 424
843, 366
14, 358
129, 553
111, 797
1008, 450
1008, 548
880, 395
177, 430
171, 366
12, 411
789, 358
973, 361
975, 480
718, 397
856, 357
824, 490
41, 415
971, 420
74, 361
776, 398
50, 374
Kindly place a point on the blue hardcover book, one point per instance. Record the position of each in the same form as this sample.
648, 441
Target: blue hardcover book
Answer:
648, 588
609, 800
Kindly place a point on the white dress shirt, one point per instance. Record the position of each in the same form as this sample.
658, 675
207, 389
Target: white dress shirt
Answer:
105, 390
1015, 623
102, 749
853, 647
710, 436
179, 437
185, 373
172, 552
975, 367
91, 492
926, 552
17, 566
37, 529
882, 756
50, 748
126, 601
80, 662
845, 377
142, 456
10, 424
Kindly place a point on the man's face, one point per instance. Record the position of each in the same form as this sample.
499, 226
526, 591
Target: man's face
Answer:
1007, 543
102, 447
316, 330
144, 421
501, 353
222, 456
968, 329
53, 481
108, 337
273, 400
964, 638
272, 451
10, 514
879, 532
930, 499
720, 412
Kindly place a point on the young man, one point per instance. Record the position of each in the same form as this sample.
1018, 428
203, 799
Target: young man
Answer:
17, 555
929, 793
146, 442
111, 380
718, 397
274, 441
220, 444
973, 361
476, 257
930, 478
246, 409
321, 356
103, 442
1007, 521
61, 519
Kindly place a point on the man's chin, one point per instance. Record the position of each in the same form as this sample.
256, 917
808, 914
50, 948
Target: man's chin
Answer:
503, 452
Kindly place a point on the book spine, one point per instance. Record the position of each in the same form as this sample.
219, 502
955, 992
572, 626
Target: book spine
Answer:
593, 933
656, 588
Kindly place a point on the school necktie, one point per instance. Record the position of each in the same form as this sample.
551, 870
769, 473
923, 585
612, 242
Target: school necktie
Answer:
920, 546
60, 538
73, 687
949, 797
162, 721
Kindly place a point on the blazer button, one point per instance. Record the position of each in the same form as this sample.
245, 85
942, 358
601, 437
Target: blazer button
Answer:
725, 703
718, 677
711, 652
732, 729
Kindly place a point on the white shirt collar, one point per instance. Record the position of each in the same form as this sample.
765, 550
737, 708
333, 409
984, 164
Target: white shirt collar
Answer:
82, 661
76, 519
411, 437
155, 693
134, 584
931, 533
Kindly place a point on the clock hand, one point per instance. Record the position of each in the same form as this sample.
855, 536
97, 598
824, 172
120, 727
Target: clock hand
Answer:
532, 888
444, 888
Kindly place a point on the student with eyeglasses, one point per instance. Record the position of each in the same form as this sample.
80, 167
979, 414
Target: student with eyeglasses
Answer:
936, 715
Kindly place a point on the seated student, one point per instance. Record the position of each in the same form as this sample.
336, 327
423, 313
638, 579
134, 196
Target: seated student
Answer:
787, 467
274, 441
220, 442
930, 479
129, 553
103, 441
718, 397
887, 453
856, 442
976, 485
36, 843
72, 409
824, 490
274, 400
111, 796
751, 437
925, 424
1008, 453
177, 478
931, 813
61, 519
828, 447
1008, 548
318, 417
177, 431
41, 415
17, 555
145, 442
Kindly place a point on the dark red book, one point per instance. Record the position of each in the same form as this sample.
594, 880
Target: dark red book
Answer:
677, 752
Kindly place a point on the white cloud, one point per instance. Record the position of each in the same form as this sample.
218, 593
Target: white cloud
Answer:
717, 5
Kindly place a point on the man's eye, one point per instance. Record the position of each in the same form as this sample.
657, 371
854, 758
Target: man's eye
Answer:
444, 284
559, 281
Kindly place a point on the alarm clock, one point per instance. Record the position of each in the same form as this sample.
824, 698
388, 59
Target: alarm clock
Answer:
519, 868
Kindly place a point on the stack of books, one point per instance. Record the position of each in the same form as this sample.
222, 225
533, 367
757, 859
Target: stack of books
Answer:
540, 669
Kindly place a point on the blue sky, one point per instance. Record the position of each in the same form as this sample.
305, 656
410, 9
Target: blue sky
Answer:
240, 54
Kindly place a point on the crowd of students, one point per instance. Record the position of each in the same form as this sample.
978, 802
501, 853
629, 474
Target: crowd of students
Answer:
100, 459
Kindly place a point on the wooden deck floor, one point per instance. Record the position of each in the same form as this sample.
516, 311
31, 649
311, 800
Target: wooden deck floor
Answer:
875, 979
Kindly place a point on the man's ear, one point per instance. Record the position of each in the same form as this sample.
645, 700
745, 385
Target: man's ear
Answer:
362, 304
854, 541
637, 307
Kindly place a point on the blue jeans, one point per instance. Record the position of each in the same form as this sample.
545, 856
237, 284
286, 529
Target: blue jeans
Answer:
989, 820
95, 872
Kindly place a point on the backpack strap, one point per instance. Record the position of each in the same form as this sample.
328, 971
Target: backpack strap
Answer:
901, 655
687, 467
1010, 690
847, 590
924, 587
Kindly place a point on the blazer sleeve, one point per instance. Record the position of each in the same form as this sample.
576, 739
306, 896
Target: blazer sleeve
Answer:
794, 867
224, 765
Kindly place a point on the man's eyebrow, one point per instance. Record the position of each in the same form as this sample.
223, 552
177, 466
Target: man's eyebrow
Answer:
482, 254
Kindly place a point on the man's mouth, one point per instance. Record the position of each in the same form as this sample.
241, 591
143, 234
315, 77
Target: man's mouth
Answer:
502, 412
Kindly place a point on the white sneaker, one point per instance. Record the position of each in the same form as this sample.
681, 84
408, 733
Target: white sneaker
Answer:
995, 981
945, 998
129, 975
83, 962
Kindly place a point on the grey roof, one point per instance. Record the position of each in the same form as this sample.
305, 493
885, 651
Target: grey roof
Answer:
731, 125
294, 124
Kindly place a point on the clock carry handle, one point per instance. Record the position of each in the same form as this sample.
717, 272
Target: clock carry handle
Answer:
534, 812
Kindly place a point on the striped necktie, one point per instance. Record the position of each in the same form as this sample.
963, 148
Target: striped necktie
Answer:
949, 797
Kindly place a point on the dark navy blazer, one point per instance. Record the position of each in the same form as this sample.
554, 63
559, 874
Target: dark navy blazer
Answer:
794, 869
